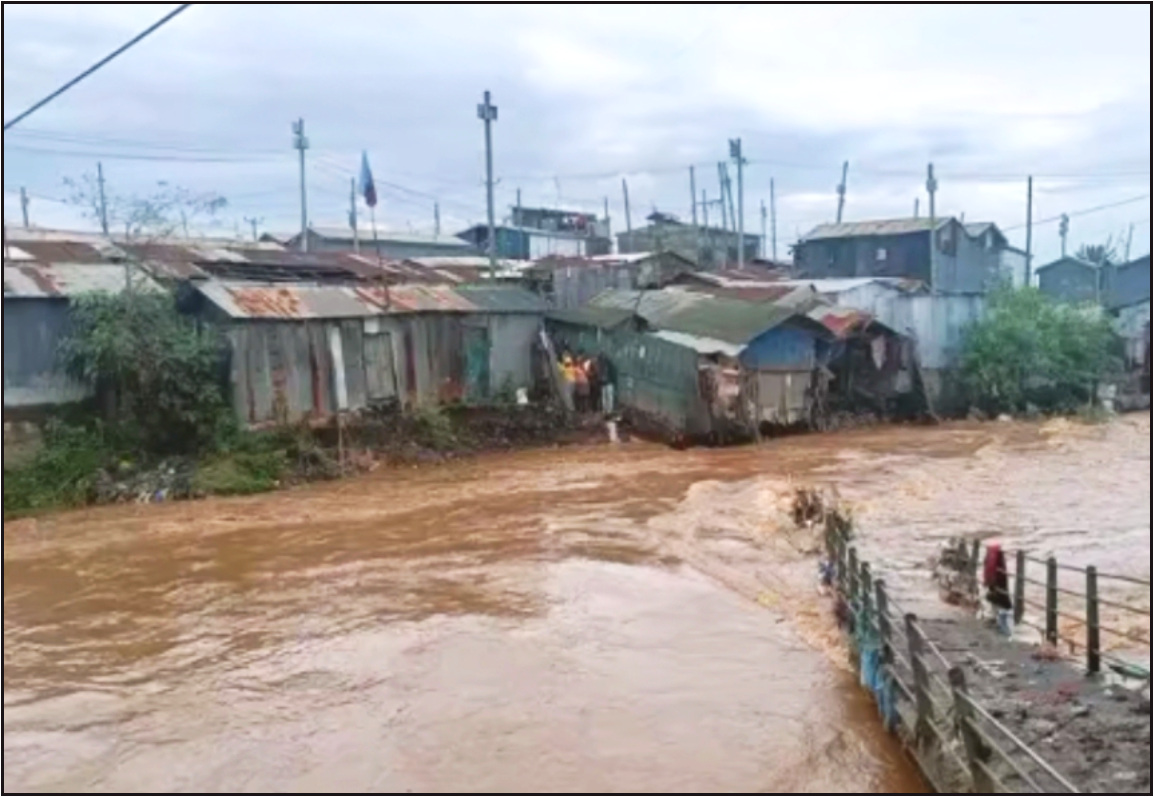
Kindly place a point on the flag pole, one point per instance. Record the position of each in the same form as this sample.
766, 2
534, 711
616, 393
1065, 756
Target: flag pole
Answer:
380, 260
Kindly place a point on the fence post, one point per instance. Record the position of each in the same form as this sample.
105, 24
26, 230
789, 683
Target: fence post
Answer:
1093, 629
976, 568
842, 567
885, 630
866, 589
1020, 588
853, 577
1052, 601
921, 679
974, 748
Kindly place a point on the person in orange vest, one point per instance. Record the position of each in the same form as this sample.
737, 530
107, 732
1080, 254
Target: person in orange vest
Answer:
581, 380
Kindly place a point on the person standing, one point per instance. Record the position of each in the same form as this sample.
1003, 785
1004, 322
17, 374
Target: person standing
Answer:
581, 380
568, 381
608, 377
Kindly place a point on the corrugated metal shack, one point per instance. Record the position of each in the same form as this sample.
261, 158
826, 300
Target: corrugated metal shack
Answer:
568, 282
700, 364
307, 351
37, 296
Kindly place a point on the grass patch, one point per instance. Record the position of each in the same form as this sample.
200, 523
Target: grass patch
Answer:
239, 473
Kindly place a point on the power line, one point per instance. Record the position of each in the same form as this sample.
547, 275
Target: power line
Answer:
1083, 212
74, 153
133, 41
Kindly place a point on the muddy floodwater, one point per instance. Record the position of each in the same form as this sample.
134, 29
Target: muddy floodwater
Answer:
574, 620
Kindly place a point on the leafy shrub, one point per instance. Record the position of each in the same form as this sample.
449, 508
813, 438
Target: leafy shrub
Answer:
62, 473
239, 473
157, 376
1030, 350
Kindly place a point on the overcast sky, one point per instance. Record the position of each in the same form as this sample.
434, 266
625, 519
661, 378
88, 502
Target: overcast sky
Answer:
588, 95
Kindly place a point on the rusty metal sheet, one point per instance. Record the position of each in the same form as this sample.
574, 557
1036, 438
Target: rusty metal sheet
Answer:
63, 280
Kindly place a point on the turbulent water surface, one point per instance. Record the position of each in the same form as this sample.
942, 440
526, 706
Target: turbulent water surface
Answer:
594, 619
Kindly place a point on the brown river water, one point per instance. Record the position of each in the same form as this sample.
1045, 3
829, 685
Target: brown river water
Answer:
601, 619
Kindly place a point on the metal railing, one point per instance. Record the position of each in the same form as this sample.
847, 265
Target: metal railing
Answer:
934, 703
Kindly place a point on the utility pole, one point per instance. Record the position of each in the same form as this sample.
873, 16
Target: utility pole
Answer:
1064, 230
721, 183
841, 190
254, 222
517, 212
301, 143
693, 195
735, 153
1129, 240
24, 206
729, 196
917, 201
1029, 230
353, 215
764, 233
184, 223
487, 113
704, 209
628, 218
103, 203
931, 188
436, 219
773, 219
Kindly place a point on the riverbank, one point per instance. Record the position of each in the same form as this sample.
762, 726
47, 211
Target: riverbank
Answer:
979, 711
79, 467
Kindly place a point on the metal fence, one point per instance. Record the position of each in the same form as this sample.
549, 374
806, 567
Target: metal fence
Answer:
930, 696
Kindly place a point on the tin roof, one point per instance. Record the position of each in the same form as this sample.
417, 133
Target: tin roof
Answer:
700, 314
64, 280
346, 234
841, 285
858, 229
592, 316
298, 301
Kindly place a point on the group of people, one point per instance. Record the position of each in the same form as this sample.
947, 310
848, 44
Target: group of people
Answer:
588, 381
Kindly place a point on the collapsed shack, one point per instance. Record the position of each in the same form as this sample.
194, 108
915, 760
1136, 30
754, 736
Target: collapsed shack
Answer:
697, 368
867, 369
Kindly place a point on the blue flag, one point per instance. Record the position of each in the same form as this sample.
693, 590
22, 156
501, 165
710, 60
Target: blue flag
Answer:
368, 190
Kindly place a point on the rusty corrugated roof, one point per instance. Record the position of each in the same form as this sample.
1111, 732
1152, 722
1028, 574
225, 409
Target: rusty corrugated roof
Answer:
64, 280
246, 300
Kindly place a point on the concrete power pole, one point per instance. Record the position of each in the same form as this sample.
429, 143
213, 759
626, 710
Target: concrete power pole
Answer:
735, 153
487, 113
764, 230
24, 206
353, 215
1064, 231
773, 219
1029, 230
103, 202
436, 219
931, 188
628, 218
721, 183
1129, 240
693, 195
301, 143
253, 222
917, 208
841, 190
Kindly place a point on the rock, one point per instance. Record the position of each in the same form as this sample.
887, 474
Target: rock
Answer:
1042, 728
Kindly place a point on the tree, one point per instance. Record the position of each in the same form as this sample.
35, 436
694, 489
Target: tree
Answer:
1029, 349
157, 376
1103, 254
147, 217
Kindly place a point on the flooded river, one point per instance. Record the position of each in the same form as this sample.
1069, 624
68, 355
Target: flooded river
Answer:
596, 619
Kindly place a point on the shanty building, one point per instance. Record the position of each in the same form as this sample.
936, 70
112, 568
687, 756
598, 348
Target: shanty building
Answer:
698, 363
568, 282
309, 351
38, 294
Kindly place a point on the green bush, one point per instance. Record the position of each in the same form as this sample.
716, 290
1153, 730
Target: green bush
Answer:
1030, 350
62, 473
239, 473
157, 376
434, 428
